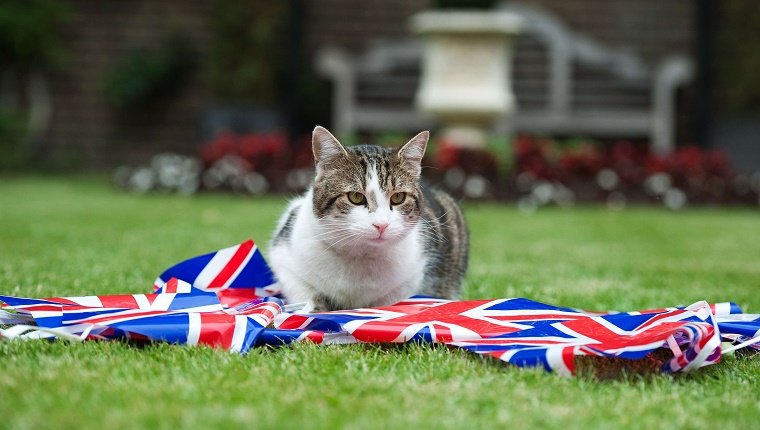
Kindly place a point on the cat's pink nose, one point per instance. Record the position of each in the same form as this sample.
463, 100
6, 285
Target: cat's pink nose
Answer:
380, 227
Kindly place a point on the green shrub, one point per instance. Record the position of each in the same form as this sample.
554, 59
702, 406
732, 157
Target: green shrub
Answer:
14, 152
28, 33
247, 55
144, 75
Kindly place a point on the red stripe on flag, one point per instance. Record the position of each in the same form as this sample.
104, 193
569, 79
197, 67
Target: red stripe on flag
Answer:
171, 285
151, 298
61, 300
231, 267
315, 336
442, 333
568, 356
217, 330
120, 301
267, 310
43, 308
236, 296
293, 322
120, 316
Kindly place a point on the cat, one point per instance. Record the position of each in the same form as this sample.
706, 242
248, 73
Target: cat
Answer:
368, 232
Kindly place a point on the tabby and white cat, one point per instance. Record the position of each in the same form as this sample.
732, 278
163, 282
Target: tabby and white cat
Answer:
368, 232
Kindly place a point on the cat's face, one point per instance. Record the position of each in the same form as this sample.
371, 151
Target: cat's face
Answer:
366, 196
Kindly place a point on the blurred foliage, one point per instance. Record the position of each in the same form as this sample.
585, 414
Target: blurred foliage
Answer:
15, 152
28, 33
739, 65
393, 139
144, 75
246, 56
501, 149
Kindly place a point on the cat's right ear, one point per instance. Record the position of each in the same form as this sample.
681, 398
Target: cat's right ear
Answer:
413, 151
325, 145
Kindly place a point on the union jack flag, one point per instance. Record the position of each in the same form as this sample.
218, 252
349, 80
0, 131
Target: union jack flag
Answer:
177, 312
236, 274
528, 333
227, 299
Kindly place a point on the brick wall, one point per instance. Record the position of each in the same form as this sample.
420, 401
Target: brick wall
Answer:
85, 130
352, 24
651, 28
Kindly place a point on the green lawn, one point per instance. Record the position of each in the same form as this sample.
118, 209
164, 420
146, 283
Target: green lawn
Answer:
79, 236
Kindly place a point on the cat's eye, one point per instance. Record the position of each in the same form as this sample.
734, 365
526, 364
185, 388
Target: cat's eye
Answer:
398, 198
356, 198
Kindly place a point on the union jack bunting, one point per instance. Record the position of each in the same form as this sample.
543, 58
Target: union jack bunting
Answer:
237, 274
228, 299
192, 317
529, 333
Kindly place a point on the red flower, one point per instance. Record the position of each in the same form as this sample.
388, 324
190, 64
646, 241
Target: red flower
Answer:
449, 155
224, 143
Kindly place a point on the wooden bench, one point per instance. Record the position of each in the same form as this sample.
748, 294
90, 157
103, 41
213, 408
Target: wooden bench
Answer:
565, 85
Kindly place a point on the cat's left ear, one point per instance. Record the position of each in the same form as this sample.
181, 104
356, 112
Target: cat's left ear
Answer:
411, 153
325, 145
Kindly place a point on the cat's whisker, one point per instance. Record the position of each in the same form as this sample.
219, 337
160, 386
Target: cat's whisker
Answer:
333, 239
438, 218
351, 236
427, 229
435, 239
328, 234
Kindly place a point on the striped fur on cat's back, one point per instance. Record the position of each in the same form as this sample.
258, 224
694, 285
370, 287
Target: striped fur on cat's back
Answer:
369, 232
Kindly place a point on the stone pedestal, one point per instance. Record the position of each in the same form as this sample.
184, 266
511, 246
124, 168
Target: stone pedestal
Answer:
466, 70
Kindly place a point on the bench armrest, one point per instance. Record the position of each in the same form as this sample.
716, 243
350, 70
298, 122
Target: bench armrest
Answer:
337, 66
670, 74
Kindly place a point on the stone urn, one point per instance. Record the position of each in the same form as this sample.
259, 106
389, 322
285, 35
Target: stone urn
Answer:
466, 70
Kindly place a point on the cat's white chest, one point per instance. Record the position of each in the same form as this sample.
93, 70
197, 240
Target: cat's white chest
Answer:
307, 266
